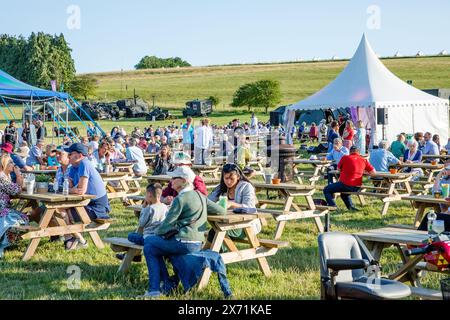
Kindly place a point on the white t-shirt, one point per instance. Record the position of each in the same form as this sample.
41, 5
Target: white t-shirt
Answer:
203, 138
136, 153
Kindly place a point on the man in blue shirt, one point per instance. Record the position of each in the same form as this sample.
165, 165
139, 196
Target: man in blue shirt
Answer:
335, 155
332, 134
84, 179
430, 148
381, 158
36, 157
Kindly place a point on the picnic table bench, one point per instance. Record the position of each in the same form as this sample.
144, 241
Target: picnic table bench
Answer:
429, 169
319, 169
389, 188
117, 184
378, 239
52, 202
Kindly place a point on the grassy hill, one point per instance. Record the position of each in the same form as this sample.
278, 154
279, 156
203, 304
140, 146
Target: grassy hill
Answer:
173, 87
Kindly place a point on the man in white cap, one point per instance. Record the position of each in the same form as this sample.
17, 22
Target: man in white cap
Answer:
182, 159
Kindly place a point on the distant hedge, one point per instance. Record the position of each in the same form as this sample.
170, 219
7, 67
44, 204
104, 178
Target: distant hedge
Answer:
152, 62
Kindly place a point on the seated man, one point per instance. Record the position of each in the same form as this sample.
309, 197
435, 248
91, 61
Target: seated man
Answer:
84, 179
430, 147
36, 154
382, 158
335, 155
133, 152
152, 214
352, 169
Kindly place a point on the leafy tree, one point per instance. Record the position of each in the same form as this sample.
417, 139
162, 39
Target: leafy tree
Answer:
261, 94
84, 87
215, 100
153, 62
38, 59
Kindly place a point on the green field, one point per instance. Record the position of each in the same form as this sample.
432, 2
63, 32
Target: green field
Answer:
173, 87
295, 269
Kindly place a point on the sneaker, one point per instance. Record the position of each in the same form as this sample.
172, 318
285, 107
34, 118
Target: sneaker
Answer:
82, 245
354, 209
121, 256
70, 244
150, 295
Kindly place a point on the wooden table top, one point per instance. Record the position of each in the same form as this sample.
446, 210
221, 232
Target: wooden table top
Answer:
231, 217
282, 186
204, 167
123, 164
392, 235
384, 175
54, 197
167, 178
114, 174
309, 161
427, 199
441, 156
427, 166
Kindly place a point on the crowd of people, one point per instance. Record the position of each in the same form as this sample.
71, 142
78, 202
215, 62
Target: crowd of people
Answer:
173, 219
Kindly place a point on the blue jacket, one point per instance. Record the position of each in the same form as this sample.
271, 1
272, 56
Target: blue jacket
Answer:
189, 269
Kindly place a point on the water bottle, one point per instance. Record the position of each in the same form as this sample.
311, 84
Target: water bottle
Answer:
55, 186
431, 218
66, 187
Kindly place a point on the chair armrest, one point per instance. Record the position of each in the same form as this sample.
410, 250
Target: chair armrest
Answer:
347, 264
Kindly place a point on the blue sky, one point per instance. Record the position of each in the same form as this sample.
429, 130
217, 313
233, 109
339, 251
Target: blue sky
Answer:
114, 35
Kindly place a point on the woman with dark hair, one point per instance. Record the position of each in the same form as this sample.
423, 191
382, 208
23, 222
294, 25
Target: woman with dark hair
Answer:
114, 132
163, 161
240, 193
437, 140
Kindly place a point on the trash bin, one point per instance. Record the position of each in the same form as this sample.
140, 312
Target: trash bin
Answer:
445, 288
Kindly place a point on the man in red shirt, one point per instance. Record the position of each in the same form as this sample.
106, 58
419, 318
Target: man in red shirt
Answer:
169, 193
352, 169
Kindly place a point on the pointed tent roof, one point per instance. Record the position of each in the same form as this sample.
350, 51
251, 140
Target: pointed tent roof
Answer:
366, 82
11, 87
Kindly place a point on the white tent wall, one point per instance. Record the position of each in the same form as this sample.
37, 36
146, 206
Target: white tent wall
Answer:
400, 119
433, 119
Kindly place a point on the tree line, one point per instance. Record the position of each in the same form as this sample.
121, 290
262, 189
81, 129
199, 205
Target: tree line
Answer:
153, 62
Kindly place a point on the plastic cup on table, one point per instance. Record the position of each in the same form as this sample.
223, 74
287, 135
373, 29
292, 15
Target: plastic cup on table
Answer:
445, 190
223, 202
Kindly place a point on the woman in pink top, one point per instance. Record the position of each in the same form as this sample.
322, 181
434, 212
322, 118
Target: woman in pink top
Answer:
348, 135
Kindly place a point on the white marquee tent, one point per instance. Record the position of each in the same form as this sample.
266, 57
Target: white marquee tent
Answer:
366, 85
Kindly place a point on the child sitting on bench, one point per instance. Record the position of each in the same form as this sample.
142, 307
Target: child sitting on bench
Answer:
152, 214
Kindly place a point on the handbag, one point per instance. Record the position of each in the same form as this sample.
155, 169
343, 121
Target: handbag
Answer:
172, 233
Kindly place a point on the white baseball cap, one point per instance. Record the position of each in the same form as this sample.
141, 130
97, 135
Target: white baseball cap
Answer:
183, 172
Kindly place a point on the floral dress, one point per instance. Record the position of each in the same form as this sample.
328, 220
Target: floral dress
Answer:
8, 216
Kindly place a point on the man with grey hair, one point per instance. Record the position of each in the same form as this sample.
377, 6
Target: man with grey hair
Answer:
335, 155
134, 153
430, 148
36, 157
381, 158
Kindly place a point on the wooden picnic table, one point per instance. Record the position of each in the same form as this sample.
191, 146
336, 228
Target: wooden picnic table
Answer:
203, 170
292, 210
388, 190
318, 165
117, 184
378, 239
259, 249
440, 157
164, 179
52, 202
422, 202
430, 169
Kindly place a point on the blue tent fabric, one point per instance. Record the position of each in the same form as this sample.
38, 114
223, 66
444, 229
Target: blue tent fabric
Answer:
189, 269
10, 86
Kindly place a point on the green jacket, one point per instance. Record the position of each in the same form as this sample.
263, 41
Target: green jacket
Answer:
186, 208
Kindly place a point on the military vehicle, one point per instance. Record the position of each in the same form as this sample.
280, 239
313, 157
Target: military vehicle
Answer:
199, 108
134, 108
159, 114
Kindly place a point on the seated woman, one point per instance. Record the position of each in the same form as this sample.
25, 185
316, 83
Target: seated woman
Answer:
314, 132
413, 155
163, 161
240, 194
8, 216
50, 153
187, 217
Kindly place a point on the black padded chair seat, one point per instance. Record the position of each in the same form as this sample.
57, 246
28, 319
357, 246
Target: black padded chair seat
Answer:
372, 289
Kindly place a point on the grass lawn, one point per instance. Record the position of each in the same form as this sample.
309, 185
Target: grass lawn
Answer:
295, 269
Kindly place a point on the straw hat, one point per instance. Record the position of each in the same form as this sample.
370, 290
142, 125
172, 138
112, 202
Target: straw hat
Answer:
22, 152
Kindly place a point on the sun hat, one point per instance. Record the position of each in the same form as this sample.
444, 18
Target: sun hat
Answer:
22, 152
180, 158
183, 172
7, 147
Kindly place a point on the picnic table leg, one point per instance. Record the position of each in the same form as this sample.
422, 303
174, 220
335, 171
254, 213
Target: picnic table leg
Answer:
279, 230
215, 246
419, 215
45, 220
86, 220
411, 275
263, 265
128, 258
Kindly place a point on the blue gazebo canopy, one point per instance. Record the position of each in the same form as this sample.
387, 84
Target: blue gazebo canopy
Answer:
11, 87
